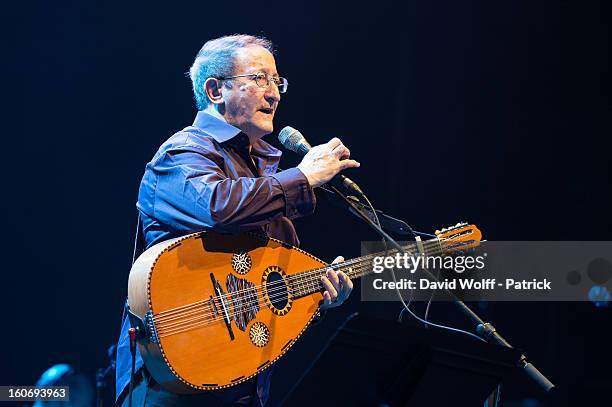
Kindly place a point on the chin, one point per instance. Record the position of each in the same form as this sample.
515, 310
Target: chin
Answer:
265, 128
258, 128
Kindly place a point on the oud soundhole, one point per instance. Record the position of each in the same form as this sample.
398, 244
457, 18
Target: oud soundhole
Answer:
277, 292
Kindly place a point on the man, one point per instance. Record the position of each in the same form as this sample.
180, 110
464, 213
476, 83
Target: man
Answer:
219, 174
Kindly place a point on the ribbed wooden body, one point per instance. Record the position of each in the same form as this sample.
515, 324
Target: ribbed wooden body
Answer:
195, 351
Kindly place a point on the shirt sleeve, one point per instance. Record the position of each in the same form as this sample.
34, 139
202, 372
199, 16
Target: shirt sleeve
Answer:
193, 192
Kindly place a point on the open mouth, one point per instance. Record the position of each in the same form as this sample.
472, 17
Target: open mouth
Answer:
267, 110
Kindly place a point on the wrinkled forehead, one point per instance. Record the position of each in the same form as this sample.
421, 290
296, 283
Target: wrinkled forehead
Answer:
254, 58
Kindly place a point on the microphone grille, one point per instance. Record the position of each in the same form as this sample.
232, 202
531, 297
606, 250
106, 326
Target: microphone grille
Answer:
291, 139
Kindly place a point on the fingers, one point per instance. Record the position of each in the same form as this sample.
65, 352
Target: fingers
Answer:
324, 161
338, 149
330, 295
330, 284
335, 294
333, 282
345, 283
333, 143
337, 286
344, 164
332, 276
327, 301
341, 152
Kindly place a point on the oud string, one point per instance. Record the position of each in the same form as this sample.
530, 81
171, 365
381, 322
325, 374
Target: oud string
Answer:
306, 276
191, 316
240, 306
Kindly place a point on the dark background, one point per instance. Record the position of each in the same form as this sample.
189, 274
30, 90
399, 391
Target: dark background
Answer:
492, 112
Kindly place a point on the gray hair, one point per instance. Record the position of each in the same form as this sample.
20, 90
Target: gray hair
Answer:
216, 59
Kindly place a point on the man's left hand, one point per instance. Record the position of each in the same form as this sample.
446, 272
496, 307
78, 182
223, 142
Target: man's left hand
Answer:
337, 286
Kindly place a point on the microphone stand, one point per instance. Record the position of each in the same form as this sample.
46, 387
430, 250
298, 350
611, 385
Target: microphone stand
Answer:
483, 329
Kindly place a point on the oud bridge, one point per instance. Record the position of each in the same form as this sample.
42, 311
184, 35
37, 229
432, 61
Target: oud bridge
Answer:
223, 305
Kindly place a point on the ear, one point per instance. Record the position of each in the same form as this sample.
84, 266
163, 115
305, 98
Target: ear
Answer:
213, 89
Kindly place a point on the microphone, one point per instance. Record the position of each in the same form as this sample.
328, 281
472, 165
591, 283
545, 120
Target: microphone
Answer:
295, 141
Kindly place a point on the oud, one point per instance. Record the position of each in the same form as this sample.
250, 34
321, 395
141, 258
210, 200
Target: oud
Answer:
214, 310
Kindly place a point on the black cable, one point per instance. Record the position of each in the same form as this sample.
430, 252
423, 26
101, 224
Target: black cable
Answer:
386, 237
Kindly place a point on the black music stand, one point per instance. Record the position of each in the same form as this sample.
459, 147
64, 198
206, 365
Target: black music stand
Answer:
374, 362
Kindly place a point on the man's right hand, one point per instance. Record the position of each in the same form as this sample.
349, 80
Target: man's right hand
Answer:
324, 161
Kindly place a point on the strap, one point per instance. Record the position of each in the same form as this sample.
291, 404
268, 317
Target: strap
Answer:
138, 249
138, 240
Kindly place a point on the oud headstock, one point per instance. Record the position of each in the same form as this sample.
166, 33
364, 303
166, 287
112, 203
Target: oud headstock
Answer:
459, 238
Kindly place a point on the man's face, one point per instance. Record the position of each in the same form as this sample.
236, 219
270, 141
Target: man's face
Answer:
247, 106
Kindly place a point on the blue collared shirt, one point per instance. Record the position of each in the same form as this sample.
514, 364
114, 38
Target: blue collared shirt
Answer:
204, 177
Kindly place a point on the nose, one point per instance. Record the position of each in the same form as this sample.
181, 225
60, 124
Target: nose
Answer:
272, 94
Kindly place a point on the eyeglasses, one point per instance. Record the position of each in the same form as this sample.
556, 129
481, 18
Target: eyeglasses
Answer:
263, 80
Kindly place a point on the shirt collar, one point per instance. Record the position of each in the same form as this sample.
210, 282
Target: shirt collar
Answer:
217, 128
264, 149
222, 131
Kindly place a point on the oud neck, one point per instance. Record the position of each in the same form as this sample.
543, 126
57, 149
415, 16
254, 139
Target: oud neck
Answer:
308, 282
